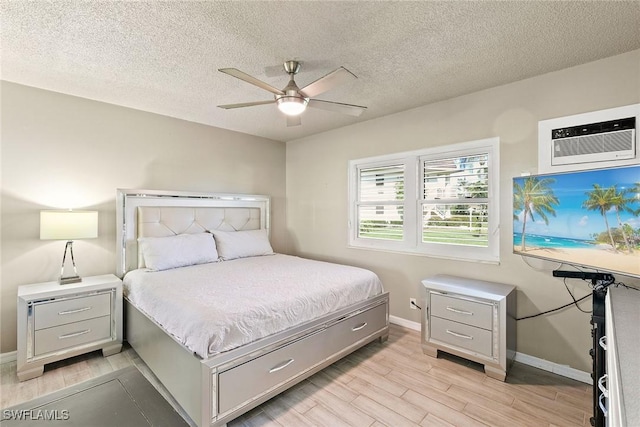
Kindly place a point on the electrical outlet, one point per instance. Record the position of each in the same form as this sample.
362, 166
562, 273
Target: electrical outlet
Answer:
412, 303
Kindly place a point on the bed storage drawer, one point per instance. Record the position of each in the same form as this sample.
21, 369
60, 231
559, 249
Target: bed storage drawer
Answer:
353, 329
244, 382
249, 380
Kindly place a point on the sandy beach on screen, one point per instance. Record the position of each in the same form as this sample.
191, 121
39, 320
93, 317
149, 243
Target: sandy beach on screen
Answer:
602, 258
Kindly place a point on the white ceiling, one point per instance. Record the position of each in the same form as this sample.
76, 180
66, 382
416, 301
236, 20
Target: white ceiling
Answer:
163, 57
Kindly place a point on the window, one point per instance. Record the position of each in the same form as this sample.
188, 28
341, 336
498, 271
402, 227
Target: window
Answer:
455, 200
441, 201
380, 202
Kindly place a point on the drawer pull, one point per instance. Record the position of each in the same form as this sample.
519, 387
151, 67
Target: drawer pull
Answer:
603, 342
281, 366
357, 328
74, 334
455, 310
78, 310
455, 334
601, 386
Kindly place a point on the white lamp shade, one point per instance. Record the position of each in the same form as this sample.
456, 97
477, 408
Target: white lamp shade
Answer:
292, 105
68, 225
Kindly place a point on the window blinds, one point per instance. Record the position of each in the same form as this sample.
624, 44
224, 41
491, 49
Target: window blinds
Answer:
380, 202
455, 202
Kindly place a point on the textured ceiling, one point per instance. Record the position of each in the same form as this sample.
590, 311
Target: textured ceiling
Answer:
163, 57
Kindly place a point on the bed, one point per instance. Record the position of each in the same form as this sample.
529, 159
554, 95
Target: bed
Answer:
224, 337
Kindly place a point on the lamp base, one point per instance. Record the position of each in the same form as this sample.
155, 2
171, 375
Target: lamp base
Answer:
69, 279
65, 280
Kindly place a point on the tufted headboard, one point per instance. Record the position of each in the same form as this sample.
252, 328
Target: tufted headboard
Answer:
144, 213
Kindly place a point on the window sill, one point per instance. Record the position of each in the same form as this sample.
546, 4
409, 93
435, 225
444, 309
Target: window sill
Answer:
424, 254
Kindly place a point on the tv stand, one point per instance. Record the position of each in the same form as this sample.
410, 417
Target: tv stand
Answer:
597, 353
597, 331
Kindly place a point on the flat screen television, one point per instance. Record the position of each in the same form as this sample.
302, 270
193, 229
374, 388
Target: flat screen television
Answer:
586, 218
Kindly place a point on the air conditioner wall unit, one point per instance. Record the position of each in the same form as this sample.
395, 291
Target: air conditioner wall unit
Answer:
598, 139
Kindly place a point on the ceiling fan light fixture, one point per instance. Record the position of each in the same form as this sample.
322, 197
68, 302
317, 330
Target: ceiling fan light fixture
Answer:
293, 101
292, 105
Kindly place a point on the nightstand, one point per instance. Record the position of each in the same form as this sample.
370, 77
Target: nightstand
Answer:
60, 321
472, 319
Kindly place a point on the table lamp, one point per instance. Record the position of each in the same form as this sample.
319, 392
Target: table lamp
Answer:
68, 225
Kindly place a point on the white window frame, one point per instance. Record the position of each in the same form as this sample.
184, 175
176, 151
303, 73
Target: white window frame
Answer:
412, 241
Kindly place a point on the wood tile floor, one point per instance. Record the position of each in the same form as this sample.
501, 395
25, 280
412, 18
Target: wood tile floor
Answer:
390, 384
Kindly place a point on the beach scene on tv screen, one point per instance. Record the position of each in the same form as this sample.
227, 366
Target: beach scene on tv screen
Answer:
586, 218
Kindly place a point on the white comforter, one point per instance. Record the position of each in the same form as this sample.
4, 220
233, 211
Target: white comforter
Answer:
216, 307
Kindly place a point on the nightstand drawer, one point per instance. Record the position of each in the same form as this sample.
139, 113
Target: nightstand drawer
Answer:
72, 334
71, 310
473, 313
464, 336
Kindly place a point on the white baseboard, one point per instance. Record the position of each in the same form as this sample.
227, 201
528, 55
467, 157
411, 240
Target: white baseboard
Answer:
563, 370
545, 365
11, 356
404, 322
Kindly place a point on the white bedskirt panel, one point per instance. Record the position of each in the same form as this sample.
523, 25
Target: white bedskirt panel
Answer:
211, 308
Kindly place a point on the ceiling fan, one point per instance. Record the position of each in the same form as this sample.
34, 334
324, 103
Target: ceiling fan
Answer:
292, 100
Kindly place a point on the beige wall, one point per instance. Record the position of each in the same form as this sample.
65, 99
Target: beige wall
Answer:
317, 191
60, 151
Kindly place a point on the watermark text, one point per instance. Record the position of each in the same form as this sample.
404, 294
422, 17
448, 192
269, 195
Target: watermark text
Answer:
35, 414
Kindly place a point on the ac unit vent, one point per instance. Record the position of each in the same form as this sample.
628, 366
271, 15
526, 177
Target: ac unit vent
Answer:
620, 144
593, 140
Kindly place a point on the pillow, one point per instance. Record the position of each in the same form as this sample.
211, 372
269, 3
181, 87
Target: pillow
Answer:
241, 244
162, 253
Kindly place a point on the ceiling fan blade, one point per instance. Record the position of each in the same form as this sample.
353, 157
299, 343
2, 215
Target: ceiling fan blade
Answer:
323, 84
250, 79
350, 109
246, 104
294, 121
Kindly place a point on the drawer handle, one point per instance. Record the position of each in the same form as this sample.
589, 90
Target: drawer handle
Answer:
74, 334
602, 407
601, 386
455, 334
281, 366
79, 310
455, 310
603, 342
357, 328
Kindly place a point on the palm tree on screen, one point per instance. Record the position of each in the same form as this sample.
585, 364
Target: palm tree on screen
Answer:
602, 200
622, 203
534, 196
635, 195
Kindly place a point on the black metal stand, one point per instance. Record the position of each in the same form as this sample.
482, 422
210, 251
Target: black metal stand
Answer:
597, 353
600, 281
